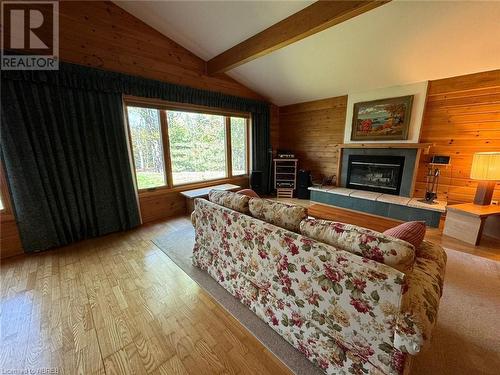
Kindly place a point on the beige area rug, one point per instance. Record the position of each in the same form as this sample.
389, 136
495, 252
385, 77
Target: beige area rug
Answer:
466, 339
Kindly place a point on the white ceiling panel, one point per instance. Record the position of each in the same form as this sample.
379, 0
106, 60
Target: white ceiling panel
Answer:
208, 28
398, 43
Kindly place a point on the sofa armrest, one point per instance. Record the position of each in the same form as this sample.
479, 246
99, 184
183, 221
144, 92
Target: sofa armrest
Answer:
421, 299
198, 204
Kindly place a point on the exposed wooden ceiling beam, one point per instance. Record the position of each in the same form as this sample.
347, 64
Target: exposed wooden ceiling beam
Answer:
313, 19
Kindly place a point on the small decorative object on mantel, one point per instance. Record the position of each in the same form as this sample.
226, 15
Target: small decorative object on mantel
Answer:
383, 119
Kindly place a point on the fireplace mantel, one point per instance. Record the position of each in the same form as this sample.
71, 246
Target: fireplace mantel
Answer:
424, 146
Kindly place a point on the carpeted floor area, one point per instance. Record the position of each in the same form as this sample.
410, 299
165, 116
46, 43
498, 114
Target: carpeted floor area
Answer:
466, 339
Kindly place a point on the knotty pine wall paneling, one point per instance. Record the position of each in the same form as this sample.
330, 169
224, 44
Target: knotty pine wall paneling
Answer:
100, 34
275, 127
10, 241
462, 117
313, 130
103, 35
157, 205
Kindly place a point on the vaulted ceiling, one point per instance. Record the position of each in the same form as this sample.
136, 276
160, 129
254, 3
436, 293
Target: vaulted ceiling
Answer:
398, 43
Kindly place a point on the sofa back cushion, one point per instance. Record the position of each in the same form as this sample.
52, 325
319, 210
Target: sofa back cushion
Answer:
280, 214
228, 199
361, 241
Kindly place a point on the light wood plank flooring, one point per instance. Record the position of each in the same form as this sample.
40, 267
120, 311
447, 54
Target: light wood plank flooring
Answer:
119, 305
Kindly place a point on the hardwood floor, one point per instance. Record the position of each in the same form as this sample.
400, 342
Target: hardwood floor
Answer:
119, 305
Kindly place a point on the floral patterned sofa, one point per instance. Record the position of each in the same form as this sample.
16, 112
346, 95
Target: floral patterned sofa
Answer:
345, 312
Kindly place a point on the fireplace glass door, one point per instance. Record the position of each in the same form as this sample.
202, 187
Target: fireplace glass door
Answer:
375, 173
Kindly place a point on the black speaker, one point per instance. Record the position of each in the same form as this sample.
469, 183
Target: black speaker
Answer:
303, 182
256, 181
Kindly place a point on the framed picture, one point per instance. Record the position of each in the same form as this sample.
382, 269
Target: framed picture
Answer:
382, 119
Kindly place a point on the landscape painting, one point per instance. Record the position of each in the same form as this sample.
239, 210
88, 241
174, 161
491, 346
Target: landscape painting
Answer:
383, 119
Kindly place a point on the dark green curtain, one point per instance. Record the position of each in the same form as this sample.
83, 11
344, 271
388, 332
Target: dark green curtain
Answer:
64, 148
66, 160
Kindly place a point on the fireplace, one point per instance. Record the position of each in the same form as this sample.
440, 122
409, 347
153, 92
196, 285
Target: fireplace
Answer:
380, 173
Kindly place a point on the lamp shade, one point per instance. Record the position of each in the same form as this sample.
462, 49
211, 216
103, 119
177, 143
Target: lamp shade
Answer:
486, 166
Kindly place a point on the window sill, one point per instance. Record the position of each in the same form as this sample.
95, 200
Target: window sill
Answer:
191, 186
6, 217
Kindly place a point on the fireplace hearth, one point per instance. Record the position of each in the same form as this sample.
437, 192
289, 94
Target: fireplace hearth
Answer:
380, 173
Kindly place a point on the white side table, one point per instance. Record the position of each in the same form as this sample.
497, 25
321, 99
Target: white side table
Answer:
465, 221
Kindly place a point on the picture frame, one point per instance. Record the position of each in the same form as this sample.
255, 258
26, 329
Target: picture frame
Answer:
382, 119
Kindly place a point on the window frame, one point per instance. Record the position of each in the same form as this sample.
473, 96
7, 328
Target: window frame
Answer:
229, 155
6, 211
163, 134
164, 106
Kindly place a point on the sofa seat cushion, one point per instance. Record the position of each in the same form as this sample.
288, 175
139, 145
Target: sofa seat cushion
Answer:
361, 241
277, 213
229, 199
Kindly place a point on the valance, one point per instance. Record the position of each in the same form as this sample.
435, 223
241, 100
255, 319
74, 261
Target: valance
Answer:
103, 81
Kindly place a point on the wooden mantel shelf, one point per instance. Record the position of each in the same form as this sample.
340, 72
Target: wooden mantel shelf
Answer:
385, 145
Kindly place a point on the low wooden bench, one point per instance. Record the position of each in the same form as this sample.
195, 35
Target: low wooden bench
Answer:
203, 193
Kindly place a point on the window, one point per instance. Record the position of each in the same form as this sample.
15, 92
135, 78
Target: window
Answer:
197, 146
4, 195
147, 147
173, 146
239, 145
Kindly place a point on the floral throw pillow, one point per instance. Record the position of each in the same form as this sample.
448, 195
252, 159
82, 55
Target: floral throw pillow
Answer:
228, 199
361, 241
280, 214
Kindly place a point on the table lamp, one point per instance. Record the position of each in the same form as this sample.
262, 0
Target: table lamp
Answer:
486, 169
